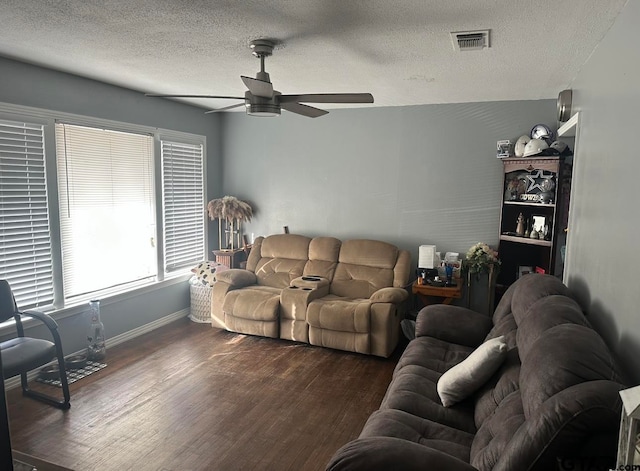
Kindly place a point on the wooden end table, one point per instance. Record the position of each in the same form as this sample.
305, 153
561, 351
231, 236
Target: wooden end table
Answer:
429, 294
230, 258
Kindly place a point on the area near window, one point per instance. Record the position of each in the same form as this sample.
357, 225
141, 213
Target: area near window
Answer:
183, 204
116, 209
25, 242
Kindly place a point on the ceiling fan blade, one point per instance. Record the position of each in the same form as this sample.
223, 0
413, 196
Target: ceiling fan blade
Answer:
304, 110
328, 98
257, 87
217, 110
195, 96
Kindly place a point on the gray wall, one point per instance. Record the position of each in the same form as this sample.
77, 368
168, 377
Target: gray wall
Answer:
407, 175
602, 249
29, 85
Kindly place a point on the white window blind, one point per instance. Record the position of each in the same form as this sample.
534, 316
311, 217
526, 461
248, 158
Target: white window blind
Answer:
107, 223
183, 205
25, 242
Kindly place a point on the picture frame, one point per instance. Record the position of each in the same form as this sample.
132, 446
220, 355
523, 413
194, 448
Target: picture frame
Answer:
524, 270
538, 223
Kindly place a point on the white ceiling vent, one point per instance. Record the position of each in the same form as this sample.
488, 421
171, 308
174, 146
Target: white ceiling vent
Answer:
470, 40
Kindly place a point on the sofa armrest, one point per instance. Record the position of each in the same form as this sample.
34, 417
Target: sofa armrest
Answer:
389, 295
453, 324
385, 453
237, 277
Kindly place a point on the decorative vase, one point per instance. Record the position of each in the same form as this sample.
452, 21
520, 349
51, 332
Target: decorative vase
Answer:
96, 347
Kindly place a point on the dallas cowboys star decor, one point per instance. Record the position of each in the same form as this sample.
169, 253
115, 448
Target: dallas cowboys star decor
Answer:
535, 186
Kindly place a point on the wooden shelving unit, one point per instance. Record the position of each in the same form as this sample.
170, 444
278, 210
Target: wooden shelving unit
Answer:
535, 189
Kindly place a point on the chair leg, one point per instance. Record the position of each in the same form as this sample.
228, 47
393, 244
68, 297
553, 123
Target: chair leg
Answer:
64, 404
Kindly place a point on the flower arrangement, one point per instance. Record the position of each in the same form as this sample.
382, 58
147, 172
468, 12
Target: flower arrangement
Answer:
233, 212
481, 257
229, 208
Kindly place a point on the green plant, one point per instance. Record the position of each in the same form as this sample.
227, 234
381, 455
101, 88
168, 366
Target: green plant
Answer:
480, 257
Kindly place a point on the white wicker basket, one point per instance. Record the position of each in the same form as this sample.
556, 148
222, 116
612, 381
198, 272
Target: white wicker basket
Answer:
200, 303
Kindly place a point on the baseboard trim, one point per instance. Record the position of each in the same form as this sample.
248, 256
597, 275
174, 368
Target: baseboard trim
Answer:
143, 329
112, 342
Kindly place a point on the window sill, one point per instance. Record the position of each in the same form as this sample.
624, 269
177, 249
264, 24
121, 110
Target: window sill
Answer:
75, 309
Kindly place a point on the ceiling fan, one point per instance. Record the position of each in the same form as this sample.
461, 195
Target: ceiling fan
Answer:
262, 100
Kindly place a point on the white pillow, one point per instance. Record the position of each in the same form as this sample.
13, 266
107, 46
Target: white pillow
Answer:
466, 377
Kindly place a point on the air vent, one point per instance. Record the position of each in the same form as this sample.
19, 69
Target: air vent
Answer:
470, 40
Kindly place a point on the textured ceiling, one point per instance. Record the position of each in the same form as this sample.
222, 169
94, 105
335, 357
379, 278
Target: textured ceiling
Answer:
400, 51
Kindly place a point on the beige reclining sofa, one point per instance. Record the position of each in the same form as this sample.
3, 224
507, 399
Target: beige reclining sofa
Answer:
344, 295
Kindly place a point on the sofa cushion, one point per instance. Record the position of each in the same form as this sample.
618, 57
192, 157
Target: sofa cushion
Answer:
532, 287
278, 272
564, 356
364, 266
433, 354
258, 303
542, 316
282, 259
343, 315
453, 324
399, 424
507, 328
504, 306
293, 246
496, 432
505, 381
323, 257
413, 390
465, 378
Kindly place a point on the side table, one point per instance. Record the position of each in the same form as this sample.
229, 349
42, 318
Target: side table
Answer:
442, 294
231, 258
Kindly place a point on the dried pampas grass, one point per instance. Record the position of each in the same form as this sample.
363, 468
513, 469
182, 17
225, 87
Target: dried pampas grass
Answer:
229, 208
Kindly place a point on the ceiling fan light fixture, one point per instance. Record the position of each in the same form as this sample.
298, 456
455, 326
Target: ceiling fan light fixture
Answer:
266, 110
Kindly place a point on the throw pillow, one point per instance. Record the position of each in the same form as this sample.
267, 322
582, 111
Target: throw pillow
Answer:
466, 377
206, 272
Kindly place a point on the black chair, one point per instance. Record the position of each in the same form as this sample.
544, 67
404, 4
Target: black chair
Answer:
23, 354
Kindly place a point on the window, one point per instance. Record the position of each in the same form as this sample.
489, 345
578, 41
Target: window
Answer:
91, 208
183, 205
107, 210
25, 242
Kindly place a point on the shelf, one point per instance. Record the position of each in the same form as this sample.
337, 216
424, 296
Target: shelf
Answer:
526, 203
524, 240
568, 129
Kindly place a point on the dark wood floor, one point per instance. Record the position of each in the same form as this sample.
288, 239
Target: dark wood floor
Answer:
189, 397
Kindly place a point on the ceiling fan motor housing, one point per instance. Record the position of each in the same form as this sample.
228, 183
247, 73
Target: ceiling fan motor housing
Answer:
260, 106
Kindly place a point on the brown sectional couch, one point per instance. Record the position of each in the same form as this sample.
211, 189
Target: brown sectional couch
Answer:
553, 404
343, 295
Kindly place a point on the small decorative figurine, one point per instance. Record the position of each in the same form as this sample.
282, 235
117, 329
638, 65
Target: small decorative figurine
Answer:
520, 226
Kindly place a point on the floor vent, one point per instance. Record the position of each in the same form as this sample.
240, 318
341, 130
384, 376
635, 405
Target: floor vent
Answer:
470, 40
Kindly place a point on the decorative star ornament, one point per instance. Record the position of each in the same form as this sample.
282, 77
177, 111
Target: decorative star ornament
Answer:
536, 179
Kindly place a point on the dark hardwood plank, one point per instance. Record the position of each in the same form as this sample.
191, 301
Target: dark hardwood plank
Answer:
189, 397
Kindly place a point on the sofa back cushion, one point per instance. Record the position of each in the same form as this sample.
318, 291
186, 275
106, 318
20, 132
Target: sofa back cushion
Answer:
566, 355
279, 258
543, 315
364, 266
533, 287
323, 257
